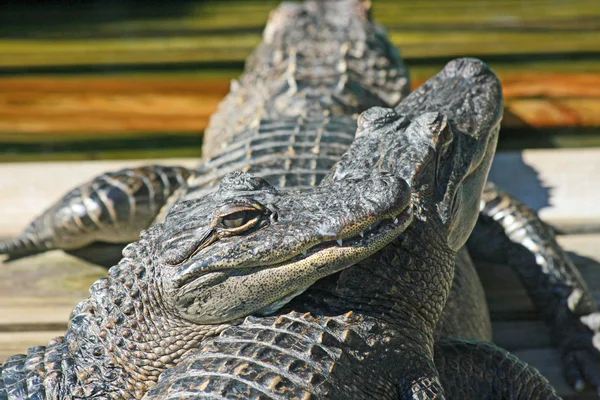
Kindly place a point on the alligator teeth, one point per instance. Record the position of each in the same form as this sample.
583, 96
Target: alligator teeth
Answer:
304, 253
339, 242
396, 220
362, 234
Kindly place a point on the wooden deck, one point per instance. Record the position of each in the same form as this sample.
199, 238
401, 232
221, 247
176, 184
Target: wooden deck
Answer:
37, 294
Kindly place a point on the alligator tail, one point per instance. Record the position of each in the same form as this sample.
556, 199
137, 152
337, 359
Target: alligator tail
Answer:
21, 246
113, 208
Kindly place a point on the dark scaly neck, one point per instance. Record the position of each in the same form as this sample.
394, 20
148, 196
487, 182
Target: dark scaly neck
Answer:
123, 337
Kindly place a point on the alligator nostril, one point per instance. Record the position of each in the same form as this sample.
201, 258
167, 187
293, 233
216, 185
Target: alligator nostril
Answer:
391, 191
274, 216
387, 181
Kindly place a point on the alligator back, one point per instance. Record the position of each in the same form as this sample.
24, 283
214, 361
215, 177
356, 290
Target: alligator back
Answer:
293, 113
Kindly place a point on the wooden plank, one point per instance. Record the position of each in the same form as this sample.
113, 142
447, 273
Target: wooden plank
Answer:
39, 292
558, 112
58, 108
236, 47
548, 85
560, 184
162, 149
521, 335
210, 16
118, 106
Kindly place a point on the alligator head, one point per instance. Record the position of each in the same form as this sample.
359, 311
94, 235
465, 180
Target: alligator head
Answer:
465, 103
249, 247
332, 51
441, 140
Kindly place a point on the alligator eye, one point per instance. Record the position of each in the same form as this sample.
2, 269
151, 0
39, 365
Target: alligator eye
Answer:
238, 219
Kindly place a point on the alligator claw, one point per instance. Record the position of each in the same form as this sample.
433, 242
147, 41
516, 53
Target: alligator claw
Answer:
580, 344
581, 370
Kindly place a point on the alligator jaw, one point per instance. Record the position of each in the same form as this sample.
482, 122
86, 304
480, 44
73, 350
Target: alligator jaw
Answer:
365, 239
370, 241
363, 244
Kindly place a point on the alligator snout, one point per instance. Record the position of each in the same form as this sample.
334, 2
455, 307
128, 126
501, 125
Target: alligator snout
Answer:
387, 191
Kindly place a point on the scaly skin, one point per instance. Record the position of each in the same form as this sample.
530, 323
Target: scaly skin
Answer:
314, 361
292, 356
114, 208
478, 370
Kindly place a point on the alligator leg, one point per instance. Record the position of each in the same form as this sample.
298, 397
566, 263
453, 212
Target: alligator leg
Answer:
471, 369
113, 207
510, 232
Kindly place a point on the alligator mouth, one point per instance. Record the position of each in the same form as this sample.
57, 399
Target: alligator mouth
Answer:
366, 239
322, 259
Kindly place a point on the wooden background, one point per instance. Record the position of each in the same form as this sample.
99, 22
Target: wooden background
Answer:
138, 80
133, 79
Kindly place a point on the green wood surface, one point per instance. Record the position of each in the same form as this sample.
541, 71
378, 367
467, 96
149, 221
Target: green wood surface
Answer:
140, 78
209, 31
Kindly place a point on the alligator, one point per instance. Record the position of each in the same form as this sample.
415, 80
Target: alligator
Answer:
368, 331
288, 119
